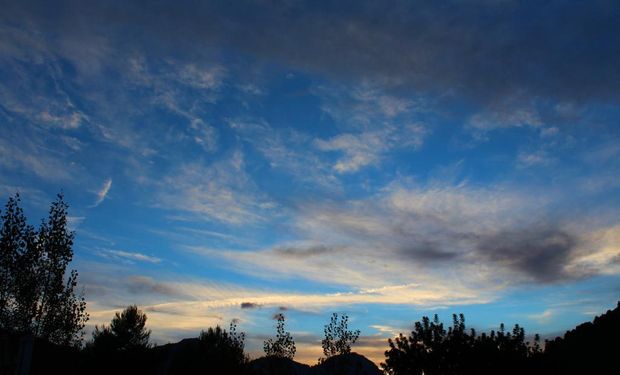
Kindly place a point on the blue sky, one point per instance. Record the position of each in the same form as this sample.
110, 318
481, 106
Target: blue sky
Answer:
234, 161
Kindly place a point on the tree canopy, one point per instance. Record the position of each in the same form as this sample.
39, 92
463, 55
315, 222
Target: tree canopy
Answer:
430, 349
338, 338
126, 332
283, 346
37, 293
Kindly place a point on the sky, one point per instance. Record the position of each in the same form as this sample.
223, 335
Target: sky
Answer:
385, 160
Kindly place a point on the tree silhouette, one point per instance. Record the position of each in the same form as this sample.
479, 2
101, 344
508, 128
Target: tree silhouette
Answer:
36, 295
283, 346
589, 348
126, 332
430, 349
338, 338
223, 350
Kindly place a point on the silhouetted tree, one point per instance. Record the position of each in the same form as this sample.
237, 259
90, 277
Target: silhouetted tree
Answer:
283, 346
36, 294
224, 350
589, 348
338, 338
431, 350
126, 332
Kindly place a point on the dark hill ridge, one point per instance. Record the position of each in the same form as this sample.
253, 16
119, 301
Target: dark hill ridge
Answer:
346, 364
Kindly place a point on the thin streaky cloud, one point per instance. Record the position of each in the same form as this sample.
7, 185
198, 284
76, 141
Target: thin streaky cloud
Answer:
103, 192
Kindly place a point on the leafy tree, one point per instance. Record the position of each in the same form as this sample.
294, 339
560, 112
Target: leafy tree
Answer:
283, 346
216, 351
224, 348
37, 295
338, 338
432, 350
126, 332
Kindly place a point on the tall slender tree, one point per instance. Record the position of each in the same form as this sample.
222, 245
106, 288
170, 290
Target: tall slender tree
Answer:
283, 346
37, 294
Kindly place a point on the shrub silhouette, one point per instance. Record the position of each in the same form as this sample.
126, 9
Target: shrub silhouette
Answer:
283, 346
36, 296
338, 338
432, 350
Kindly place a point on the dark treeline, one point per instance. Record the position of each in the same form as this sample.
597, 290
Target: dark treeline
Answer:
42, 317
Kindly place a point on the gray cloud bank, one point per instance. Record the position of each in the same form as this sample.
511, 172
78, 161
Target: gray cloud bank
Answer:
489, 51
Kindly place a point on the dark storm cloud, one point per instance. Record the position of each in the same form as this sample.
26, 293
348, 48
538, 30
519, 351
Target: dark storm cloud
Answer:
428, 252
540, 253
249, 305
140, 285
305, 252
490, 51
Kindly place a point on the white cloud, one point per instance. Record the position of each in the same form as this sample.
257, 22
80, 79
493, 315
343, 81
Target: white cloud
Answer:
374, 123
533, 159
220, 191
360, 150
26, 155
367, 148
543, 317
208, 78
103, 192
511, 117
286, 150
130, 256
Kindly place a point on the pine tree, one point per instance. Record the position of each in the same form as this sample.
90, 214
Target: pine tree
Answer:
127, 331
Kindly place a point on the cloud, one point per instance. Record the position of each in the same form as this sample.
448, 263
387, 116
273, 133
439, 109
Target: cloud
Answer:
20, 152
550, 55
542, 253
103, 192
542, 317
504, 118
360, 150
533, 159
304, 252
286, 150
129, 256
374, 124
483, 239
144, 285
220, 191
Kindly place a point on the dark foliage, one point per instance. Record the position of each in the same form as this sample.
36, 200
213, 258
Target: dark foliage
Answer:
215, 351
127, 332
590, 348
338, 338
37, 295
283, 346
430, 349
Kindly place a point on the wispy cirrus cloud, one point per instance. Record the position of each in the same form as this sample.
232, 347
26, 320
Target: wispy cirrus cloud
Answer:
103, 192
373, 124
220, 191
129, 256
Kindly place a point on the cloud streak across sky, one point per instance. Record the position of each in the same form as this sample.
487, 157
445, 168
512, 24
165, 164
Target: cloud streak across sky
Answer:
315, 157
103, 193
